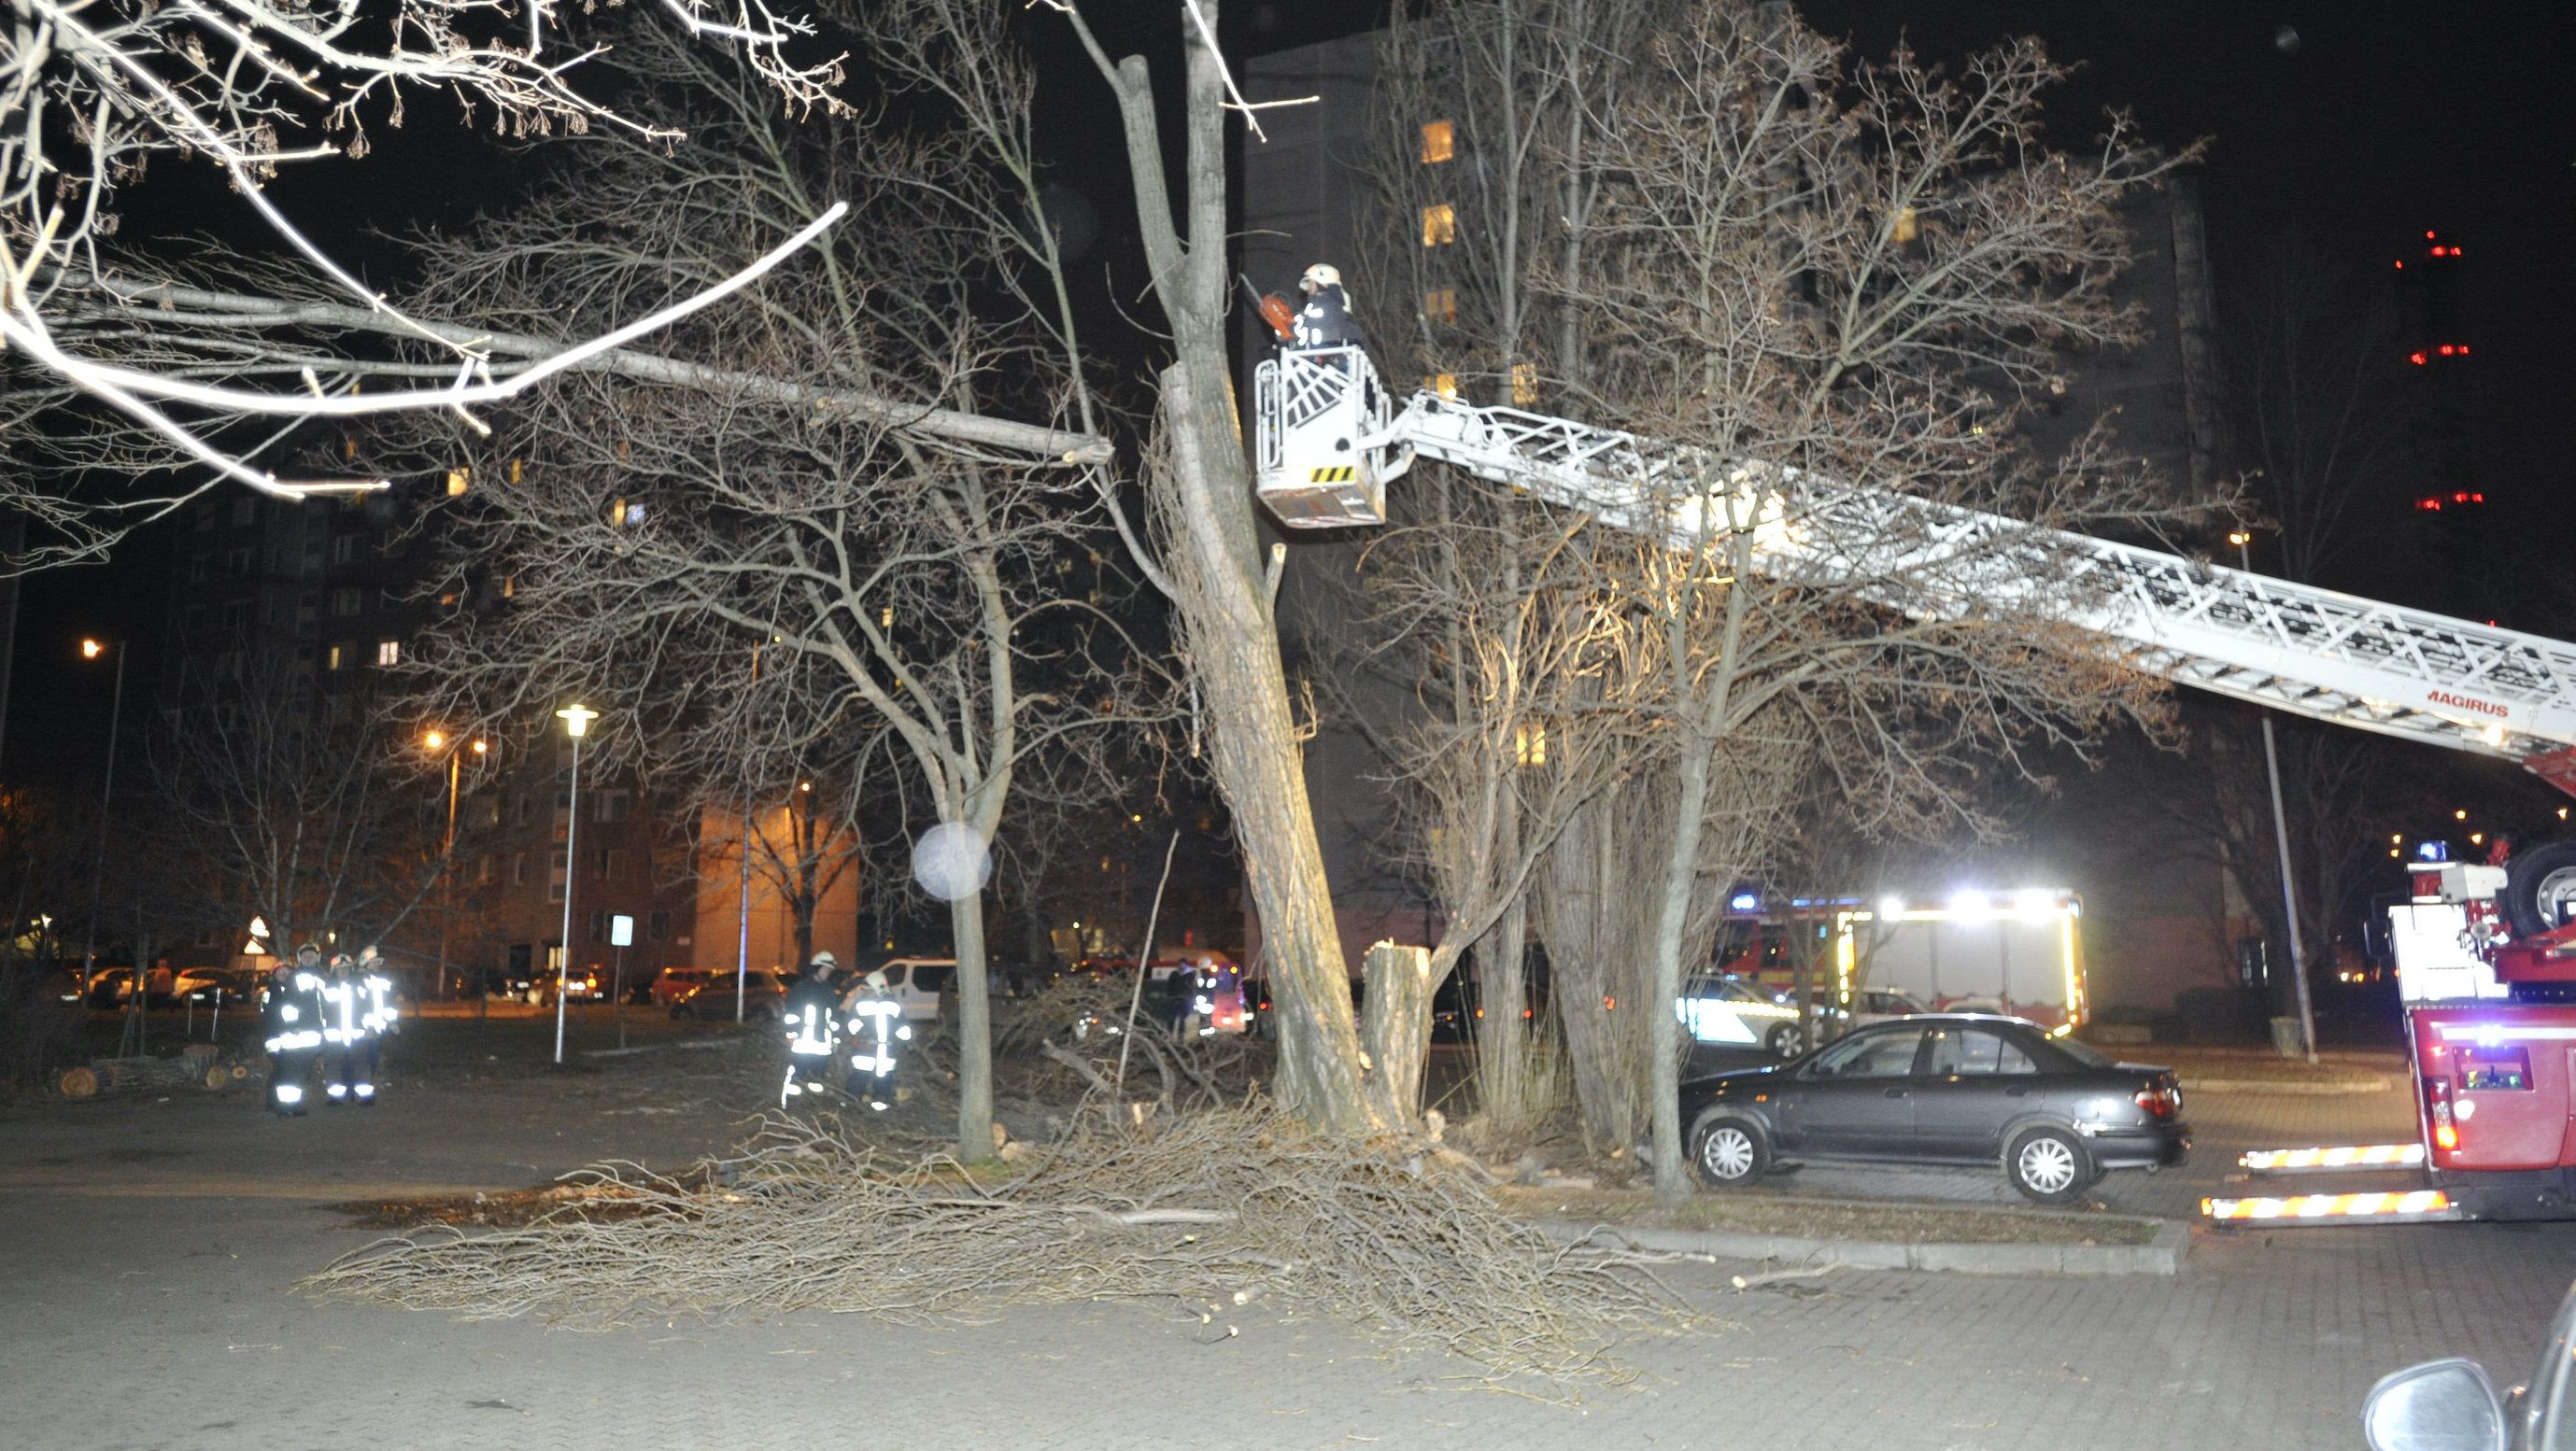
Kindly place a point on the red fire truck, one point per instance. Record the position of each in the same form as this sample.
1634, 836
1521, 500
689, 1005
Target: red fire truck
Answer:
2481, 952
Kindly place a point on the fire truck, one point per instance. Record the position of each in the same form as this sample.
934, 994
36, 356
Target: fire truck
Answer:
2491, 943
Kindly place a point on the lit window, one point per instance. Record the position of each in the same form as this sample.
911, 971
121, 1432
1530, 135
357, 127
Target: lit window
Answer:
509, 586
1529, 745
332, 658
1440, 304
458, 481
1444, 384
1524, 384
885, 618
1439, 142
625, 513
389, 652
1439, 225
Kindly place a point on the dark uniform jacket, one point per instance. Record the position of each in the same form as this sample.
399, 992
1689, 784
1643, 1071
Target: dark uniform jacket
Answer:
1326, 320
290, 1015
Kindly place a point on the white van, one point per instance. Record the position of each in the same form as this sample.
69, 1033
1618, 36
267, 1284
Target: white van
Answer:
915, 982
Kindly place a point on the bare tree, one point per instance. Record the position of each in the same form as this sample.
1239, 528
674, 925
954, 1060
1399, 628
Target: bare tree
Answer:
735, 579
1473, 656
99, 94
1205, 555
1819, 285
301, 808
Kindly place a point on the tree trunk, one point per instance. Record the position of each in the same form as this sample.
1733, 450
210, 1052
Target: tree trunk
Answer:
1503, 1079
1397, 1029
974, 1031
1672, 915
1259, 762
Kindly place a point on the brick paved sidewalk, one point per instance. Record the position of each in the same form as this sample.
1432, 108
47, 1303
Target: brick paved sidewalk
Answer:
149, 1313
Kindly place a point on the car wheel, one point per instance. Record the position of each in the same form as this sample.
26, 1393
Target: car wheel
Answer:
1785, 1041
2049, 1166
1731, 1152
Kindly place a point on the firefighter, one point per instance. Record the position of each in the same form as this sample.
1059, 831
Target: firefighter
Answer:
812, 1019
339, 993
1325, 321
290, 1008
877, 1035
369, 994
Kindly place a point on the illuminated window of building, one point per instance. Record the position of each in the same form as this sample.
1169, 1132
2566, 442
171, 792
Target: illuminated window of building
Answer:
458, 481
332, 659
1524, 384
1439, 142
1444, 384
1529, 745
885, 618
389, 652
1440, 304
1439, 225
509, 586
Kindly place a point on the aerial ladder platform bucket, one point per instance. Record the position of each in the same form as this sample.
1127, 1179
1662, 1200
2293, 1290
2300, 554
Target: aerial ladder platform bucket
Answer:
1322, 456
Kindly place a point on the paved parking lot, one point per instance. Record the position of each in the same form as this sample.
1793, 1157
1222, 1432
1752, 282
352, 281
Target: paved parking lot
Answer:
152, 1246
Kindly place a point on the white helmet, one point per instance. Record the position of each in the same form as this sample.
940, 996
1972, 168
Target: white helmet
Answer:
825, 960
876, 982
1321, 275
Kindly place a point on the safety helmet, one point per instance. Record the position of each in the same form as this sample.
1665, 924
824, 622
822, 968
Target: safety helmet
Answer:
877, 982
1321, 275
825, 959
312, 947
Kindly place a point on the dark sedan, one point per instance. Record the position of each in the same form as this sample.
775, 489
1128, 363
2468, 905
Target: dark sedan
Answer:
1943, 1088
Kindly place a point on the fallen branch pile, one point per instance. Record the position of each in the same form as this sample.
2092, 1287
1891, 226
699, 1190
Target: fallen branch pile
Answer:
1211, 1211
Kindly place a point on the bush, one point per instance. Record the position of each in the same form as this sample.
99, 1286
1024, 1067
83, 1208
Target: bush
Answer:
39, 1034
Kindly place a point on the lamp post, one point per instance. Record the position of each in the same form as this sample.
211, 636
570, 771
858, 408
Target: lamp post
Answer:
2242, 539
437, 741
91, 649
576, 719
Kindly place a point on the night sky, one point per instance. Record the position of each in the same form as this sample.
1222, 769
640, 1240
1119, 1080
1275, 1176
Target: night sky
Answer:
2357, 128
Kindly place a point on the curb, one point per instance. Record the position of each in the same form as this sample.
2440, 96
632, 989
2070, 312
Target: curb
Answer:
2293, 1087
2162, 1255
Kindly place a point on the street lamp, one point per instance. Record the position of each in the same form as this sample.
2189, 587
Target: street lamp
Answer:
576, 719
436, 741
2281, 840
91, 649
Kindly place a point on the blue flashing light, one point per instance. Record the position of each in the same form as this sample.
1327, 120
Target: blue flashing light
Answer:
1744, 902
2432, 851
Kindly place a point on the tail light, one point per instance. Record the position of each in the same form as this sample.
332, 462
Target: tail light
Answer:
2157, 1102
2437, 1108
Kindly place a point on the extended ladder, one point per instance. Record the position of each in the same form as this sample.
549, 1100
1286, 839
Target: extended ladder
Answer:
1328, 438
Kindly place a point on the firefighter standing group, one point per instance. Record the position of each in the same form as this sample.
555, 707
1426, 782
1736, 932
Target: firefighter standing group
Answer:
337, 1014
846, 1040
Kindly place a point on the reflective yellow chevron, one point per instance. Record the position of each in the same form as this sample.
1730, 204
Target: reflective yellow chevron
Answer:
1338, 474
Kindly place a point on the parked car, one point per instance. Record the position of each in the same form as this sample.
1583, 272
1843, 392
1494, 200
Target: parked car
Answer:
2453, 1403
764, 996
1944, 1088
673, 983
1882, 1004
1734, 1012
201, 984
916, 982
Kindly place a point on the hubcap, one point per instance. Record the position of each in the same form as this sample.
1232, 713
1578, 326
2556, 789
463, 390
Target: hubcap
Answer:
1728, 1153
2047, 1165
2557, 897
